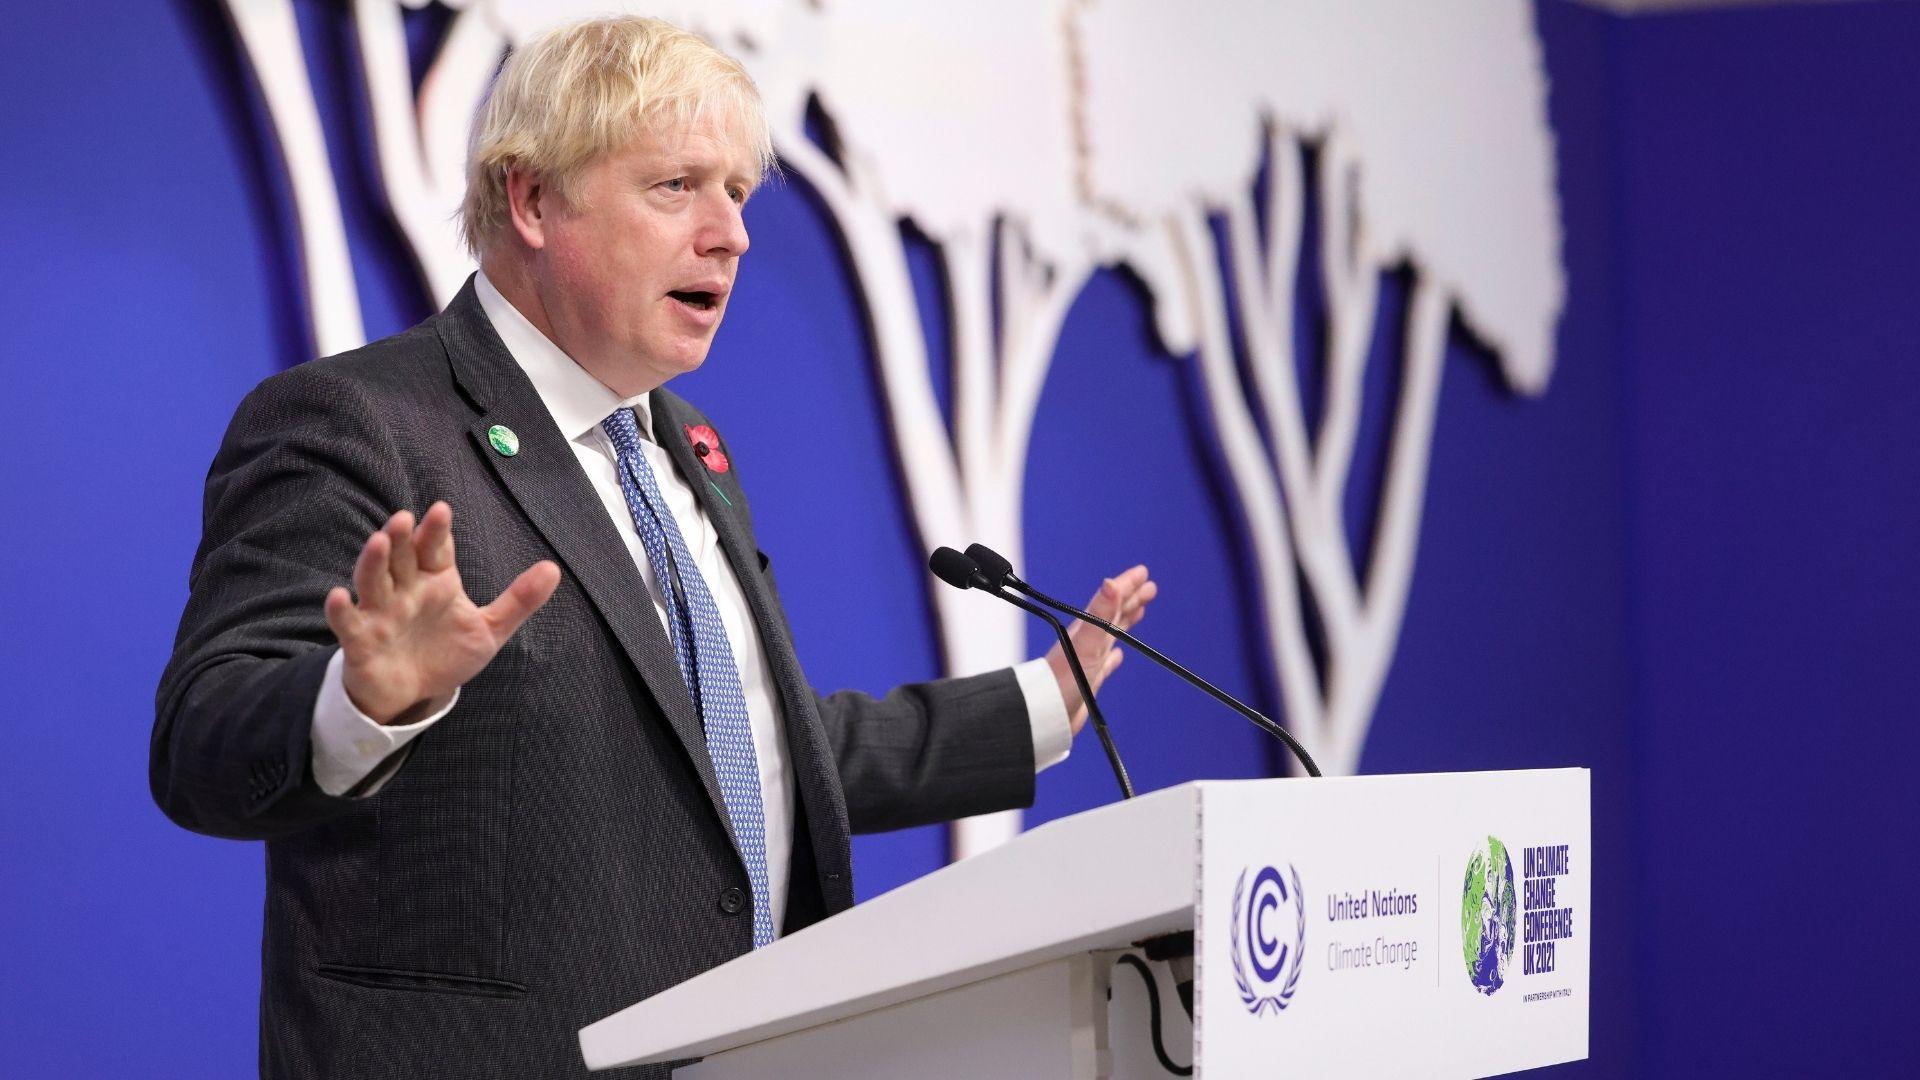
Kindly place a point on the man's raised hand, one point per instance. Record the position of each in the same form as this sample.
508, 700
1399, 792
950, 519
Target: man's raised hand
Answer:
1121, 601
414, 637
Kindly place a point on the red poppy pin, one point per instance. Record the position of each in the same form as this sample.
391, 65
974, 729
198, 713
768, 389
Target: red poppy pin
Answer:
706, 446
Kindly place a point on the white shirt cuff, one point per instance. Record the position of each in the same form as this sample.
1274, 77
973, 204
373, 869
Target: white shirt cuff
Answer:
1046, 711
348, 745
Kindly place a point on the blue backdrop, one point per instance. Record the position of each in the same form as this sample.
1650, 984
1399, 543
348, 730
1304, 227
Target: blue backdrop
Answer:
1690, 565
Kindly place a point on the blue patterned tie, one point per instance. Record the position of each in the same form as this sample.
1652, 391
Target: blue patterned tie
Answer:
706, 660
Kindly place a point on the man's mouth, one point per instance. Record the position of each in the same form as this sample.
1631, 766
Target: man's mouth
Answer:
704, 301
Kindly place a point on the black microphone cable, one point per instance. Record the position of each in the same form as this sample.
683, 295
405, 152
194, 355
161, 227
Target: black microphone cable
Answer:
1153, 1015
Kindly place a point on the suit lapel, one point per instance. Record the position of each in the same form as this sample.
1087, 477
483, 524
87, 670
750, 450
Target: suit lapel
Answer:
726, 506
544, 477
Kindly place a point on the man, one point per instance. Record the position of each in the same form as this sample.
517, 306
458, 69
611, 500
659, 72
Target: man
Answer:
553, 752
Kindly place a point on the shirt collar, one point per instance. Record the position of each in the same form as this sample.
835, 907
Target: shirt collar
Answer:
577, 401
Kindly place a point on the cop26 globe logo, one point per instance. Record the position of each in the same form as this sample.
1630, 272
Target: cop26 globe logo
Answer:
1487, 916
1260, 940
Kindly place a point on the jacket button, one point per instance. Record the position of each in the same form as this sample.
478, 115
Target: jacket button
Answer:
733, 901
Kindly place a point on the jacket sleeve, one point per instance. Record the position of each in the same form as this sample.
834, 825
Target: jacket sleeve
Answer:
305, 474
929, 751
926, 752
932, 751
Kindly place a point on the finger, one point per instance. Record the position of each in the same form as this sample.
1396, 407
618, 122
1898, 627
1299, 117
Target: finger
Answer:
531, 589
1114, 592
370, 577
1128, 580
1136, 608
1145, 592
1088, 640
1106, 602
342, 617
403, 566
1085, 633
433, 540
1099, 669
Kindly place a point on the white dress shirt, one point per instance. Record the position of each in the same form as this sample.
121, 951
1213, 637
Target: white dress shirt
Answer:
349, 747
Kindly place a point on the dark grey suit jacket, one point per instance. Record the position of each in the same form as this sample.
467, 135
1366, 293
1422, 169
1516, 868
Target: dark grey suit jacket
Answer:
555, 848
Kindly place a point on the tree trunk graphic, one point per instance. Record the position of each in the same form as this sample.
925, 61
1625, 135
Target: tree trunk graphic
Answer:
969, 487
1402, 115
1290, 485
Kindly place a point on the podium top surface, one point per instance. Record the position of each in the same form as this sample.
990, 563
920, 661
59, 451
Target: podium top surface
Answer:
1066, 886
1100, 879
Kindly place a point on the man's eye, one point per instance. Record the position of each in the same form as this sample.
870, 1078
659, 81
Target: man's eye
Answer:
738, 194
678, 183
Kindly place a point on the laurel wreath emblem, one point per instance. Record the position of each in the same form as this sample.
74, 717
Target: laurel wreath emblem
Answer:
1259, 1003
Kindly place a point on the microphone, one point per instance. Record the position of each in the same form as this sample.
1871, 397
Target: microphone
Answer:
962, 572
997, 573
958, 570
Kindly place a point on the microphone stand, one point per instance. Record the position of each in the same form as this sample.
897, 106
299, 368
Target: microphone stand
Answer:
1080, 679
962, 572
992, 566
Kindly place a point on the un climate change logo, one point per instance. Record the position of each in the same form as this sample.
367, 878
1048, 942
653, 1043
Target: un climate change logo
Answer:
1487, 916
1257, 929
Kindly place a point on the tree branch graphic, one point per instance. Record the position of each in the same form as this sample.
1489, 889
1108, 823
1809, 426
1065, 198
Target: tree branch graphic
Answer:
421, 140
1161, 183
1007, 230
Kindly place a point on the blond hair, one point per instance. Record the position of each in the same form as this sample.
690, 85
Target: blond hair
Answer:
583, 89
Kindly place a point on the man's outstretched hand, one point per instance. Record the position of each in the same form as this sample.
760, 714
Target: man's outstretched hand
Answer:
414, 638
1121, 601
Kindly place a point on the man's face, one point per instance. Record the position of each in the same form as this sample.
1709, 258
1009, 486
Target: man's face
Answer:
635, 272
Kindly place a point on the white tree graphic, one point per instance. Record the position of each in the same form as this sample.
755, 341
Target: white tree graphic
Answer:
1033, 143
981, 96
1433, 150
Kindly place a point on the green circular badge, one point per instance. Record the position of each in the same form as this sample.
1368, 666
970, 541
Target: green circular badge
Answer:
503, 440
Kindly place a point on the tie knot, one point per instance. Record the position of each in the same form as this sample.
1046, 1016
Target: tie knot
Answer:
624, 430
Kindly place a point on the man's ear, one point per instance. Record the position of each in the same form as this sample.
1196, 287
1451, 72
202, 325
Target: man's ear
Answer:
528, 203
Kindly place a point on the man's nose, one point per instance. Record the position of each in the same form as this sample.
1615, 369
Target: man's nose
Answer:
723, 232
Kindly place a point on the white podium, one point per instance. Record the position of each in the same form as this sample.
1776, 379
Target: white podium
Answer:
1425, 925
